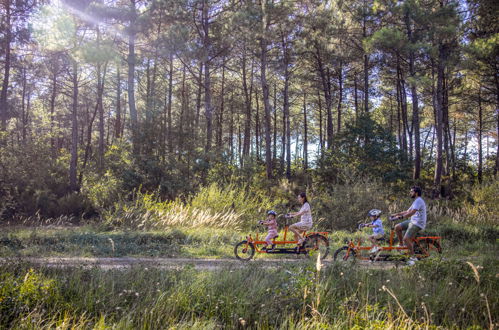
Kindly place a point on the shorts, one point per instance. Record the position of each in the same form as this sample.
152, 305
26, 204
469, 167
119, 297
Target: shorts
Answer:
302, 226
377, 236
410, 229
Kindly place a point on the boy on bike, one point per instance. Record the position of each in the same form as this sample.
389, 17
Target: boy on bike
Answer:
271, 224
377, 226
417, 212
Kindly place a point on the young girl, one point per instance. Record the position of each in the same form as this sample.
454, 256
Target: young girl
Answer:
271, 224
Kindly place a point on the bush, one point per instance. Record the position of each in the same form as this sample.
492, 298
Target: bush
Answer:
347, 205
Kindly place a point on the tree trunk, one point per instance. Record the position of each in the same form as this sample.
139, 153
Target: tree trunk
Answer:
305, 133
274, 140
247, 103
439, 98
480, 137
265, 89
183, 106
415, 106
221, 114
53, 96
496, 79
73, 184
286, 130
198, 100
321, 141
117, 127
340, 96
356, 96
23, 106
6, 69
257, 125
366, 68
326, 88
100, 92
88, 146
131, 78
231, 129
207, 76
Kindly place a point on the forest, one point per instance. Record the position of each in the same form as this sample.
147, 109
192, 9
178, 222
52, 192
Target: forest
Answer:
167, 128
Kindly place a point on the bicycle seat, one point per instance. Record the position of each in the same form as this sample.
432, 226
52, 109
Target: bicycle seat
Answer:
275, 237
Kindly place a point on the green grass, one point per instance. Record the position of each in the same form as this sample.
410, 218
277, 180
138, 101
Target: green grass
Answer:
91, 241
431, 294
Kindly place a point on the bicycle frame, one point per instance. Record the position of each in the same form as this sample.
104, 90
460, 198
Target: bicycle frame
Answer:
419, 249
256, 241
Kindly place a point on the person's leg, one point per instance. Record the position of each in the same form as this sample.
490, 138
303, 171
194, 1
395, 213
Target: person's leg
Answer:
409, 237
293, 228
399, 228
268, 239
372, 239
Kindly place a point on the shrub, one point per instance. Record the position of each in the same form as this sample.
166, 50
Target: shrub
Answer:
347, 205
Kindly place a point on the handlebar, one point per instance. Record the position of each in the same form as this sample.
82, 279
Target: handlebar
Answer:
395, 218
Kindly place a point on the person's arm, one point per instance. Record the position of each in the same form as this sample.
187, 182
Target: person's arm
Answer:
299, 213
404, 214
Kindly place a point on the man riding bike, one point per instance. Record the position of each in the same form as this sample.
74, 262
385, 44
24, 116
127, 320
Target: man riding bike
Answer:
417, 212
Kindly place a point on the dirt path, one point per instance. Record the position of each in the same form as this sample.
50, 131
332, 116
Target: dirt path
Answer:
173, 263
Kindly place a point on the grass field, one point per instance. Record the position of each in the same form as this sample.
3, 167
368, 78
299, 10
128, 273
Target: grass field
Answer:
458, 289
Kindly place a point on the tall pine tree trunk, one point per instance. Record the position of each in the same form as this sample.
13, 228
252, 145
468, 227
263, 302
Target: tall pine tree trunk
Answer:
73, 164
131, 77
305, 133
480, 137
415, 106
439, 99
117, 126
265, 88
340, 96
208, 108
6, 69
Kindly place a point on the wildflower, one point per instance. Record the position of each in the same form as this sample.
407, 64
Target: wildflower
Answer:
387, 281
450, 283
242, 321
341, 274
462, 309
482, 295
136, 294
426, 295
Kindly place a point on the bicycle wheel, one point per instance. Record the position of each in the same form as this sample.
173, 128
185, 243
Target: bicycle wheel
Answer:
244, 251
425, 246
344, 255
316, 244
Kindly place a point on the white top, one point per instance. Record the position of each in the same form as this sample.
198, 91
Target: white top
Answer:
306, 217
419, 218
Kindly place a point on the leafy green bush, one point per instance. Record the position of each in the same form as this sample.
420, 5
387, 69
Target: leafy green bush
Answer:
364, 148
344, 206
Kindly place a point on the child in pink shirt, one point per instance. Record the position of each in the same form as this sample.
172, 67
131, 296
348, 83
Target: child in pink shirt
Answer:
271, 224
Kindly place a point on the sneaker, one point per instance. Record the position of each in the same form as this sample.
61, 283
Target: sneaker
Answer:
411, 261
375, 249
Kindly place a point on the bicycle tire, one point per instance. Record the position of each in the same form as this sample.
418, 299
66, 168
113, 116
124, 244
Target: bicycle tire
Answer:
340, 255
316, 244
426, 244
243, 249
